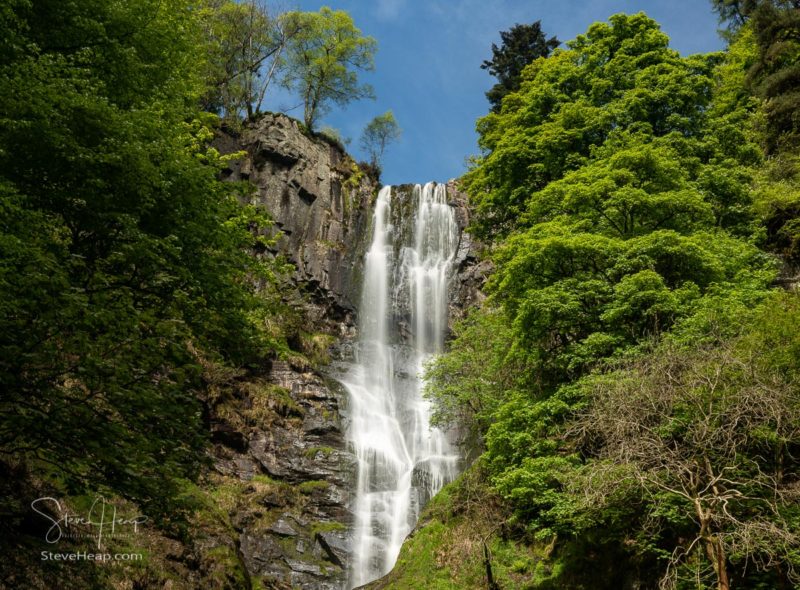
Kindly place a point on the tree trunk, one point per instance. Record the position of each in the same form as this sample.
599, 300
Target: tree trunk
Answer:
716, 554
487, 560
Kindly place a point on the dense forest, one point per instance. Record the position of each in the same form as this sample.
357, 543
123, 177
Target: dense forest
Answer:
629, 390
138, 289
631, 381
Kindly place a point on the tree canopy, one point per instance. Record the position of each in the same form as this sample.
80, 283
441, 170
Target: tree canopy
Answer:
323, 61
125, 261
520, 45
245, 42
622, 375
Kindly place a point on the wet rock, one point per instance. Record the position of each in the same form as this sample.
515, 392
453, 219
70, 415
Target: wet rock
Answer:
320, 422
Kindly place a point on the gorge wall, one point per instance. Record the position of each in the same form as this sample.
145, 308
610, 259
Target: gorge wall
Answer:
294, 529
321, 202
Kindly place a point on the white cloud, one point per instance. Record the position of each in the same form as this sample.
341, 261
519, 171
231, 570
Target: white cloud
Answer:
389, 10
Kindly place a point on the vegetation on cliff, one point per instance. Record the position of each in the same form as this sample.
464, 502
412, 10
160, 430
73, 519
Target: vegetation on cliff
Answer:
139, 294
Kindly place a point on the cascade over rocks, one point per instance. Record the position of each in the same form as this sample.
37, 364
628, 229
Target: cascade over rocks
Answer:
323, 205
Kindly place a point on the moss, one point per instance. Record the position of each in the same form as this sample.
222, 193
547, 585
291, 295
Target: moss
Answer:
309, 487
445, 552
327, 527
260, 478
225, 567
268, 401
226, 496
350, 186
316, 347
314, 451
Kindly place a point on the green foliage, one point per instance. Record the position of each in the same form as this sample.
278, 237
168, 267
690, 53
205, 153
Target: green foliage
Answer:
377, 135
470, 382
617, 87
521, 45
708, 434
125, 262
774, 77
733, 12
244, 48
777, 204
574, 297
624, 193
323, 59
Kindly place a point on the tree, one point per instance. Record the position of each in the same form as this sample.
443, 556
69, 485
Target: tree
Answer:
125, 260
479, 374
378, 134
614, 191
521, 45
775, 75
733, 12
323, 60
708, 435
618, 84
245, 53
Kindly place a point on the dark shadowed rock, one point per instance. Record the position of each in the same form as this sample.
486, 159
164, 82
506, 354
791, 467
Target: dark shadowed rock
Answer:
319, 200
336, 545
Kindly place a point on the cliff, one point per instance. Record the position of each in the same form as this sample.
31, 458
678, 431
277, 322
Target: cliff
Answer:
319, 200
321, 203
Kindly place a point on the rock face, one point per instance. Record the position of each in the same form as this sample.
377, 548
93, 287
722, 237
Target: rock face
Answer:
291, 476
322, 204
319, 199
466, 289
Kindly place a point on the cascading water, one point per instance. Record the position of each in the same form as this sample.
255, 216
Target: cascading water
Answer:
402, 461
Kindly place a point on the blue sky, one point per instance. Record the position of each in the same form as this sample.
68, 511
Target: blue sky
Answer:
427, 68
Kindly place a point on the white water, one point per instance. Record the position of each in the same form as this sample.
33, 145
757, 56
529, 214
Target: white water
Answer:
402, 461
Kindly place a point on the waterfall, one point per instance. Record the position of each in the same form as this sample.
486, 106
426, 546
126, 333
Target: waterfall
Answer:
402, 461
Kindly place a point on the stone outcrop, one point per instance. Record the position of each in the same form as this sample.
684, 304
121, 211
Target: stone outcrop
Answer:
470, 271
319, 199
291, 475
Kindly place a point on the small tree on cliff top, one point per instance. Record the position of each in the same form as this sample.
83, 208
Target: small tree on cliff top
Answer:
378, 134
